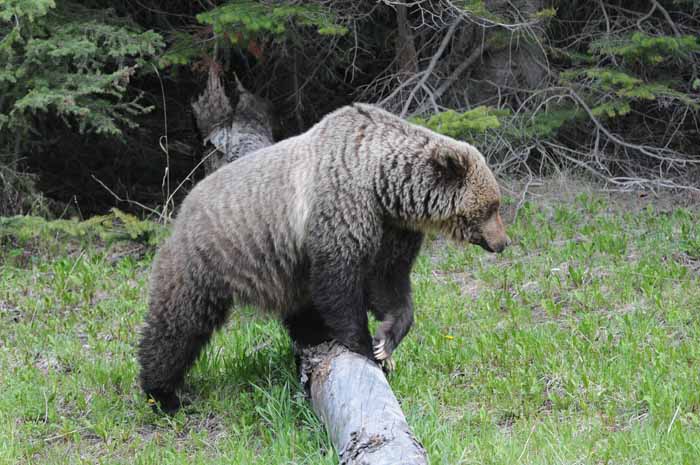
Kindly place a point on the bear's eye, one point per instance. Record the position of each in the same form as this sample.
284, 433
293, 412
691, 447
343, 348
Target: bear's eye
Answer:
492, 208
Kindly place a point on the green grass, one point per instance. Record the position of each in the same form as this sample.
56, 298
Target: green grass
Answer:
579, 345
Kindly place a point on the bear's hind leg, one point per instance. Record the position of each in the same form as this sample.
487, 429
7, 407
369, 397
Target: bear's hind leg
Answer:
182, 317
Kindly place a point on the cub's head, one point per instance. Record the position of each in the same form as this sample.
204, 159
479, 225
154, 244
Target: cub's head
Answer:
467, 197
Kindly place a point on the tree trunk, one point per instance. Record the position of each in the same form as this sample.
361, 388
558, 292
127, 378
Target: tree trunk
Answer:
348, 392
233, 133
518, 62
406, 54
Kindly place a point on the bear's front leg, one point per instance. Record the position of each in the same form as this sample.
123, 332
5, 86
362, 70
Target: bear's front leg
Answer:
337, 292
390, 292
343, 235
393, 328
391, 303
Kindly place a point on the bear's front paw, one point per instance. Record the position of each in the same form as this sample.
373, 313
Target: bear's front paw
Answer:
382, 353
380, 350
388, 365
166, 402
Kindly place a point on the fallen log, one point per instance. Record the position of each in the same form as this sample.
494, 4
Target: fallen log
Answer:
348, 392
363, 417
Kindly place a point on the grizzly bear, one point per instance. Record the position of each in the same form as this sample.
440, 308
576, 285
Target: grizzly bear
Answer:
318, 229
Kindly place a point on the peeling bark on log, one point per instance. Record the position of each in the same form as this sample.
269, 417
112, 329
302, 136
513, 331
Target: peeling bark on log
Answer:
353, 398
348, 392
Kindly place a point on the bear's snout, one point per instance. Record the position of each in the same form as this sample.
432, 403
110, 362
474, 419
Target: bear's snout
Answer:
493, 248
493, 235
501, 246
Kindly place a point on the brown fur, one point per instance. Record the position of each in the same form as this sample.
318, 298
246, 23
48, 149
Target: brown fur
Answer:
317, 229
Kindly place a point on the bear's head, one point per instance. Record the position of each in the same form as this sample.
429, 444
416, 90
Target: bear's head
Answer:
468, 198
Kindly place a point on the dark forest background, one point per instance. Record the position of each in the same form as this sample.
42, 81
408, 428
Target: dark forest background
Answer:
95, 96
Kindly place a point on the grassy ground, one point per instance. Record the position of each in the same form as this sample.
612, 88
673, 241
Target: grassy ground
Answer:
581, 344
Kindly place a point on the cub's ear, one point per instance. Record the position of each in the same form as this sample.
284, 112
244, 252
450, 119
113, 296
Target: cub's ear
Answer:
453, 162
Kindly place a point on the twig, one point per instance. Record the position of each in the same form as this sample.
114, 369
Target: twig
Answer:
400, 87
164, 147
431, 66
452, 78
623, 181
670, 425
607, 27
522, 200
527, 441
667, 16
188, 178
641, 148
133, 202
654, 5
62, 435
475, 55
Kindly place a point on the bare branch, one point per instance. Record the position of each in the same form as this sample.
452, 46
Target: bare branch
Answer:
431, 66
452, 78
645, 149
667, 16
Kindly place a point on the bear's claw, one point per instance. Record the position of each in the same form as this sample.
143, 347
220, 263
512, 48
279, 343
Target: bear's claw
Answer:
379, 352
388, 365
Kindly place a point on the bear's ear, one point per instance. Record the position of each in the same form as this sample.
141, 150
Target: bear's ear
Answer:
454, 163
